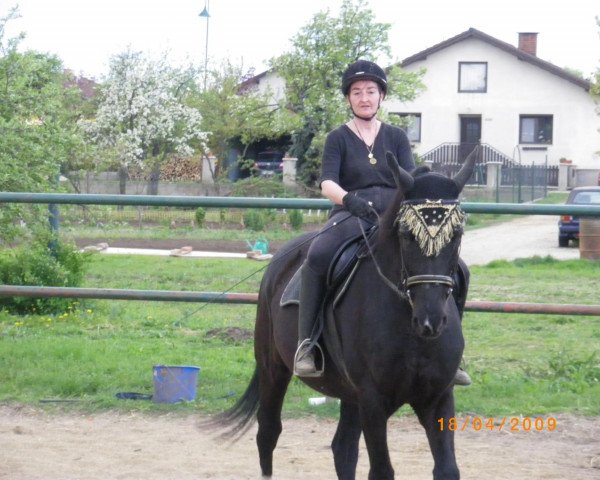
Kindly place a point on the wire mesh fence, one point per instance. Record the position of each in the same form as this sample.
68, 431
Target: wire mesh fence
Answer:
98, 215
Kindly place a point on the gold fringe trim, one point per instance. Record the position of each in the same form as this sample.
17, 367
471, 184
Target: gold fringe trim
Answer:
432, 238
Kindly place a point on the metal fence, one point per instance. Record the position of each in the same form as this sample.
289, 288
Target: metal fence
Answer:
245, 202
518, 183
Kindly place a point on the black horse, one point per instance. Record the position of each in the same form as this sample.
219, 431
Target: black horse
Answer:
393, 336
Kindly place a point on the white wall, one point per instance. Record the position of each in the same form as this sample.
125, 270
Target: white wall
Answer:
272, 84
514, 87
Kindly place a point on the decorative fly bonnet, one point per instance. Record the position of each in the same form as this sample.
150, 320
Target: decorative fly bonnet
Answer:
432, 223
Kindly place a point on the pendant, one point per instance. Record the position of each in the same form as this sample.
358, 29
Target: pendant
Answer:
372, 159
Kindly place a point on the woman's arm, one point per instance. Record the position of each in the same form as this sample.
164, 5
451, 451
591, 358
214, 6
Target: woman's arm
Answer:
333, 191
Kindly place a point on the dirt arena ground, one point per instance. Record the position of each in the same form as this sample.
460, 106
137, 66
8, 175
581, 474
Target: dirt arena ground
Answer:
37, 445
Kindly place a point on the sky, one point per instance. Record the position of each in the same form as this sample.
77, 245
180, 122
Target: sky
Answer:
86, 33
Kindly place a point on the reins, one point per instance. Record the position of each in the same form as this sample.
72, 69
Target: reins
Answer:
387, 281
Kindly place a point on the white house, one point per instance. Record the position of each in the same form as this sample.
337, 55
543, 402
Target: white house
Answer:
481, 89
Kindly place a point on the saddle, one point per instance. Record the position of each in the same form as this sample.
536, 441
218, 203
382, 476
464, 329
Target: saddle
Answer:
340, 272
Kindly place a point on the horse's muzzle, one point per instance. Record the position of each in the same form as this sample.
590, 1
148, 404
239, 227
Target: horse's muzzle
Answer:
426, 328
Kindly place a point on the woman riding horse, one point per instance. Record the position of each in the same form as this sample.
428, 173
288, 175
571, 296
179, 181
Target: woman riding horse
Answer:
391, 337
356, 178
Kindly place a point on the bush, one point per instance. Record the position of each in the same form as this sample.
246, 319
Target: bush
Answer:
260, 187
200, 216
35, 265
255, 219
296, 219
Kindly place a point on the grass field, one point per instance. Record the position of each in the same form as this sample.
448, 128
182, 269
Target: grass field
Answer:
521, 364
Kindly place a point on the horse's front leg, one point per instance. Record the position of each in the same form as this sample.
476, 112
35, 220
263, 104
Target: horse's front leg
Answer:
345, 442
373, 420
441, 438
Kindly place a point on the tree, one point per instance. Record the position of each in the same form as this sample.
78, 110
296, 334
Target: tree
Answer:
313, 68
238, 119
142, 117
38, 133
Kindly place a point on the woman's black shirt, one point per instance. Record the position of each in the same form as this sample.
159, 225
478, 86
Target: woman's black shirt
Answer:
346, 162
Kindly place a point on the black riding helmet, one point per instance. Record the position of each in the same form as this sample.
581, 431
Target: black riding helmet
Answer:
363, 70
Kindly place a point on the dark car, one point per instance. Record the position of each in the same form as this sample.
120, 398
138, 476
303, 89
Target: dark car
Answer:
269, 163
568, 225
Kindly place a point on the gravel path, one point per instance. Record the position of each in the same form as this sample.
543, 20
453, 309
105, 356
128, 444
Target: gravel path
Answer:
520, 238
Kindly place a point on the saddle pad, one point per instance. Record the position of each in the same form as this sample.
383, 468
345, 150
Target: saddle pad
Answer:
291, 293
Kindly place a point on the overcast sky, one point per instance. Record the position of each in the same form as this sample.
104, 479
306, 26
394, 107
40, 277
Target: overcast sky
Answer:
86, 33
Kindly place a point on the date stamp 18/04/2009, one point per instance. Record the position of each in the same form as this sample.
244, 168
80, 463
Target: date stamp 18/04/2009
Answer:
490, 424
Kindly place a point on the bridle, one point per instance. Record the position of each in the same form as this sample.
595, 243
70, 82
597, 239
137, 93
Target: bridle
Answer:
433, 224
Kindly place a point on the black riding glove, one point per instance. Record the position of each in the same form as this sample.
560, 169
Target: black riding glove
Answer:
358, 207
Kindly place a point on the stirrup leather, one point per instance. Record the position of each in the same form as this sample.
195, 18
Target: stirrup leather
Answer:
308, 344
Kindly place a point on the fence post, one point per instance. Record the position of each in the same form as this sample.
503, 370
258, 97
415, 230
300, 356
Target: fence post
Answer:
564, 174
494, 179
289, 170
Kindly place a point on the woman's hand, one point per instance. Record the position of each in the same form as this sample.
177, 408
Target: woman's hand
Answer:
358, 207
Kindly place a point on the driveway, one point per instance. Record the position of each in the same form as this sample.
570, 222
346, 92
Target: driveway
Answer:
523, 237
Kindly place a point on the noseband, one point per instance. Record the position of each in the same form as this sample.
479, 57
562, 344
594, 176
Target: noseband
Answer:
433, 225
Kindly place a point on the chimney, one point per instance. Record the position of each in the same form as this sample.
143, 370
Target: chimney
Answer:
528, 42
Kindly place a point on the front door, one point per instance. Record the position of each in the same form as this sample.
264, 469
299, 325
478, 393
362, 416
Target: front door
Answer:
470, 135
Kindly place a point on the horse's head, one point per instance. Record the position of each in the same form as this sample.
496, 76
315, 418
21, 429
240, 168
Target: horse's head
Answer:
428, 225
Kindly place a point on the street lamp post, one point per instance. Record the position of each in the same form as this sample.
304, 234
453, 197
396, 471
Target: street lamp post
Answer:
204, 13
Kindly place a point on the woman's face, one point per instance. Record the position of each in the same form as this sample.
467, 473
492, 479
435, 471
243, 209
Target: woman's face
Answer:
364, 98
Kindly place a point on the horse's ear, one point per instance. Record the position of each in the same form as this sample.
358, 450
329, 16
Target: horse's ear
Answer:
404, 180
461, 178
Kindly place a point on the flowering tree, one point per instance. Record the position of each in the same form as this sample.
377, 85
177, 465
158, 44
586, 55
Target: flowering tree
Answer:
142, 117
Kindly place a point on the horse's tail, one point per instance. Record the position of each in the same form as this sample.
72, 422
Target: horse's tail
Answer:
240, 417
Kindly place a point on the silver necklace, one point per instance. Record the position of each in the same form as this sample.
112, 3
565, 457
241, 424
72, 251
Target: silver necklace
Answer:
372, 159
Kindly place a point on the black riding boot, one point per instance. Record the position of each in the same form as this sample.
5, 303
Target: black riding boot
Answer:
312, 290
462, 275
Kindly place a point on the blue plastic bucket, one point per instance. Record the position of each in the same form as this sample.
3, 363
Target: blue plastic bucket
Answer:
174, 384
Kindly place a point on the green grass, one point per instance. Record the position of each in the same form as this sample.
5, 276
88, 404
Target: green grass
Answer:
526, 364
521, 364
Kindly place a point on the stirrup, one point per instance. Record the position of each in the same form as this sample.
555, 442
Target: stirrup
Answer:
305, 345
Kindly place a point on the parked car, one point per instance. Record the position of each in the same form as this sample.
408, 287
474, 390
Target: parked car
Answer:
269, 163
568, 225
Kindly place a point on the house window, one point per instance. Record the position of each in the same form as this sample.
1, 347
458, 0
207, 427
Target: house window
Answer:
411, 124
535, 129
472, 77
